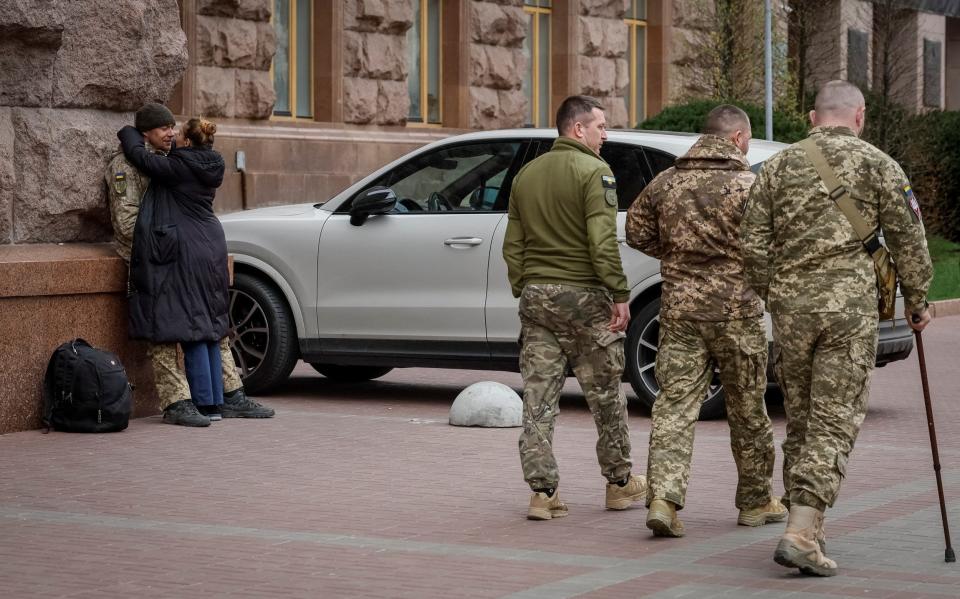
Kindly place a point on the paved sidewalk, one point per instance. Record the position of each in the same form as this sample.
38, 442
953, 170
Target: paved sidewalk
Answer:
365, 491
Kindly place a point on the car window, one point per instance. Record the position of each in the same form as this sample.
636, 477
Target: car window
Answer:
629, 168
658, 161
463, 178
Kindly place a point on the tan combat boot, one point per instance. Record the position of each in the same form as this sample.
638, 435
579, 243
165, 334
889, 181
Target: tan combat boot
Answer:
821, 532
773, 511
662, 519
543, 507
799, 548
620, 498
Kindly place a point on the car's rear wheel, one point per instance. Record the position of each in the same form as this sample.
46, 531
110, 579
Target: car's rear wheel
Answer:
342, 373
263, 338
641, 354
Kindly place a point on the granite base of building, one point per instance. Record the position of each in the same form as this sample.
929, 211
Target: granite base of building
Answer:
53, 293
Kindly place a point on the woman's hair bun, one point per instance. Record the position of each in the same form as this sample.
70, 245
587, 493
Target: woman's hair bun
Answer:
208, 128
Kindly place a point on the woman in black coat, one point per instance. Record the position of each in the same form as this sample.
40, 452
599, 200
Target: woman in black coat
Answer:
178, 266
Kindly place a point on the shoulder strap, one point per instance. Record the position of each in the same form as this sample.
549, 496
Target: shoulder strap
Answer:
841, 197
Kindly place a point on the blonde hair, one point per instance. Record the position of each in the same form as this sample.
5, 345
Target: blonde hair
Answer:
200, 131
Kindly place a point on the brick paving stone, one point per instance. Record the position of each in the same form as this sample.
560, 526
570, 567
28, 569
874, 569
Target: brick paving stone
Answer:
365, 491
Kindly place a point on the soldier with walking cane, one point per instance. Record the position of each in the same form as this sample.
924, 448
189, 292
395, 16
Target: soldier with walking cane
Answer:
804, 257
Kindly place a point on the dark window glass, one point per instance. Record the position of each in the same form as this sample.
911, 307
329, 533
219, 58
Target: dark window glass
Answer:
932, 55
628, 168
659, 161
857, 57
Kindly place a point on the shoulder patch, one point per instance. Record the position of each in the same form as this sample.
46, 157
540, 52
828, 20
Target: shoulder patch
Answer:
912, 204
608, 181
610, 195
120, 182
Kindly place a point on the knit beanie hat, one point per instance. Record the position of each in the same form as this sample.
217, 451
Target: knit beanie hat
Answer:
151, 116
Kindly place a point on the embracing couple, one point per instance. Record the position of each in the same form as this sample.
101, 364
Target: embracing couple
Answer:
162, 184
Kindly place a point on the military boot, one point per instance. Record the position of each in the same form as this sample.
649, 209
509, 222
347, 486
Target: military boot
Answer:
545, 507
620, 498
821, 533
773, 511
184, 413
662, 519
799, 548
236, 404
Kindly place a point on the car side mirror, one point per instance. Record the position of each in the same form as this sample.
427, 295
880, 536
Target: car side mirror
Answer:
376, 200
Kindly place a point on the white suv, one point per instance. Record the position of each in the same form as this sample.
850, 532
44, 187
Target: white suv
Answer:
422, 283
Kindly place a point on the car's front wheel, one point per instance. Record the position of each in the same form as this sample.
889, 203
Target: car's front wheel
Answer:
263, 338
350, 374
641, 355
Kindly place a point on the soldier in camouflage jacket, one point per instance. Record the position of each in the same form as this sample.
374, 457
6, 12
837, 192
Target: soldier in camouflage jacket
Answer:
689, 218
803, 257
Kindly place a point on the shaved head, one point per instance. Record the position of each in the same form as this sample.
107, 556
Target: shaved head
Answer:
838, 97
839, 103
725, 119
729, 122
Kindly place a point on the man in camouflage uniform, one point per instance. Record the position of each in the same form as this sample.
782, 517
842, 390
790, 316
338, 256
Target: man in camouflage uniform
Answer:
804, 259
126, 186
564, 265
689, 218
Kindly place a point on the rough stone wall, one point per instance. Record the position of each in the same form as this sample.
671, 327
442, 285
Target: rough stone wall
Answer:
497, 64
375, 61
235, 46
693, 21
70, 73
696, 62
603, 62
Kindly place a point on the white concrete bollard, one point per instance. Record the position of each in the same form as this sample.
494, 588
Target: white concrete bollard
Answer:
488, 404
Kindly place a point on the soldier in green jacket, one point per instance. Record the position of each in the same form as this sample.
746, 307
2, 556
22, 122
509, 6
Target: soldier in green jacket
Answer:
689, 218
125, 188
564, 264
804, 259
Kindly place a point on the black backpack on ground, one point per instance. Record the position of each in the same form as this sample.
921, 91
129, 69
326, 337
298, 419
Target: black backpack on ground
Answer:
85, 390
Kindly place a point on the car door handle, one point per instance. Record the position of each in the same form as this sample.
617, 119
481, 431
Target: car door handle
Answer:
463, 241
621, 239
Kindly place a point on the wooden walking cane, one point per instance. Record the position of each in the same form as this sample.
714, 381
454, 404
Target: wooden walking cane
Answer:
948, 555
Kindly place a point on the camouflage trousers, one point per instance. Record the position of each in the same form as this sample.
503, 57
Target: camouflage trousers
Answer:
687, 354
823, 364
564, 325
231, 376
168, 375
171, 380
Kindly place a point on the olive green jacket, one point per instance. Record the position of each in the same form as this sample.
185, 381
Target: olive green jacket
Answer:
563, 222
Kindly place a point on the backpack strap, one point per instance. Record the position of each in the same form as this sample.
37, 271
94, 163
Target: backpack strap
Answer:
841, 197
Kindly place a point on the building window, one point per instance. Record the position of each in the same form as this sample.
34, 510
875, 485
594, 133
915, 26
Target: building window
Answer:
423, 42
857, 58
536, 49
636, 96
293, 62
932, 58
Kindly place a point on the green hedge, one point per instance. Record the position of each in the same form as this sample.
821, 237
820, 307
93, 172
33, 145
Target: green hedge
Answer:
930, 155
787, 128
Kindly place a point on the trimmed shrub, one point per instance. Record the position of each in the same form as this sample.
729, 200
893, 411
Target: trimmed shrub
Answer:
690, 116
931, 158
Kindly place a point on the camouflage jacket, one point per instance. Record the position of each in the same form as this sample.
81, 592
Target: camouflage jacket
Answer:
801, 253
689, 218
125, 187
